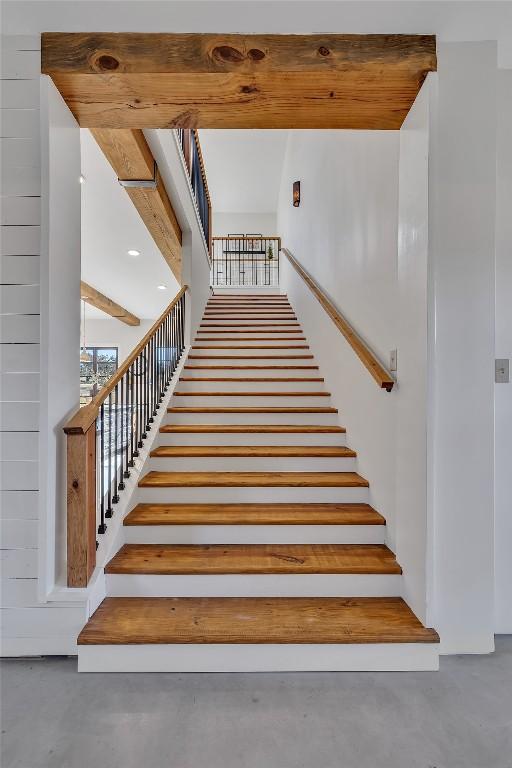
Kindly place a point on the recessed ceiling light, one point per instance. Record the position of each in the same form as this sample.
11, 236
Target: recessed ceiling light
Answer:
162, 287
133, 252
81, 179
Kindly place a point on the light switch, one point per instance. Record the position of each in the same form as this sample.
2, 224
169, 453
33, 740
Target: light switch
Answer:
393, 361
502, 371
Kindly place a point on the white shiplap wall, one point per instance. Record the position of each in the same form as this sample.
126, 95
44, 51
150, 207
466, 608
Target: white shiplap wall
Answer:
29, 625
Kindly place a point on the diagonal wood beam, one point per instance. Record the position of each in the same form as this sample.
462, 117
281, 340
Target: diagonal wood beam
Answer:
100, 301
148, 80
130, 156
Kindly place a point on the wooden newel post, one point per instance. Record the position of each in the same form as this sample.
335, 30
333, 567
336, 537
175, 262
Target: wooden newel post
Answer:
81, 503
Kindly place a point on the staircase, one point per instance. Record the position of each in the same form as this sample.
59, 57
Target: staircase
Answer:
251, 545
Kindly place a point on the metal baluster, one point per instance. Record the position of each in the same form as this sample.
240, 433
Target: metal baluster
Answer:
102, 527
139, 402
143, 374
124, 438
109, 511
115, 497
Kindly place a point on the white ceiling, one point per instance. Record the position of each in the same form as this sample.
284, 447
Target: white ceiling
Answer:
243, 168
110, 227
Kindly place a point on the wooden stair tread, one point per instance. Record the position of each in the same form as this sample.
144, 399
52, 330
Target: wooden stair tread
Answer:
261, 393
252, 357
253, 451
259, 346
172, 620
256, 338
155, 479
206, 559
253, 428
253, 379
254, 514
252, 409
251, 367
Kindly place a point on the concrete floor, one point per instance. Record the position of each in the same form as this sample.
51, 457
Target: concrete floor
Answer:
460, 717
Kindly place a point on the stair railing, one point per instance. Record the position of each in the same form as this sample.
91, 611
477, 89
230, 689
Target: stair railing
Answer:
193, 156
382, 376
105, 436
245, 260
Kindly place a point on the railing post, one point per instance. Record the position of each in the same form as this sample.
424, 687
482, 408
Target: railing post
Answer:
81, 502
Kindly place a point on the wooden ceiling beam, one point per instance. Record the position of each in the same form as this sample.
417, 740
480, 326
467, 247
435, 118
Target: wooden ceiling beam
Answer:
132, 160
100, 301
148, 80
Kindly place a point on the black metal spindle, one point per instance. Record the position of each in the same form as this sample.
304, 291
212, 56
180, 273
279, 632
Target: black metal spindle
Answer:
124, 438
109, 510
102, 527
115, 497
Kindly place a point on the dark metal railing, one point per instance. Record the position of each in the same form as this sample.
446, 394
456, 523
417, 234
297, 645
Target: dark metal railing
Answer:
105, 436
191, 149
251, 260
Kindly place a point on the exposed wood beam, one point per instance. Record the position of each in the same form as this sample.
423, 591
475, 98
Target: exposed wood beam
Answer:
100, 301
238, 81
131, 158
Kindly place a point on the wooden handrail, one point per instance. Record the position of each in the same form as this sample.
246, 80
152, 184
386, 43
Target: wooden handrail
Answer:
85, 417
364, 353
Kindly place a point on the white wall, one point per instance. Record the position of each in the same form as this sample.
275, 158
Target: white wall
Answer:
462, 183
411, 339
243, 223
345, 235
503, 392
113, 333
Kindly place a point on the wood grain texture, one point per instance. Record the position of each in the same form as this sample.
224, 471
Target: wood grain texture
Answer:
238, 81
249, 367
237, 341
81, 507
303, 393
144, 620
253, 379
246, 346
253, 514
96, 299
252, 357
253, 558
252, 480
253, 451
130, 156
253, 409
252, 428
367, 357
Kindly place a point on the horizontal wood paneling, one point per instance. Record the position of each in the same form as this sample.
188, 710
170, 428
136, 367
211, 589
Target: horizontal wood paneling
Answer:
20, 152
19, 386
19, 417
43, 621
21, 181
20, 241
18, 563
19, 124
20, 593
19, 270
19, 328
20, 64
19, 533
19, 299
19, 358
20, 210
20, 94
19, 504
19, 476
19, 446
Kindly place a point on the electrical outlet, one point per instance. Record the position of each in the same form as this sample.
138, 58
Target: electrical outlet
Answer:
393, 361
502, 371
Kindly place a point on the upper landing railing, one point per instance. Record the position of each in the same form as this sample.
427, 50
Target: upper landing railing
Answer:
191, 149
105, 436
245, 260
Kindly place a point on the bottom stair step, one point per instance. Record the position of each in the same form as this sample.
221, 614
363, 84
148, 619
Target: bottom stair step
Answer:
255, 635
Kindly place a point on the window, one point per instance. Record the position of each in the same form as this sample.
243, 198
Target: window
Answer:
95, 373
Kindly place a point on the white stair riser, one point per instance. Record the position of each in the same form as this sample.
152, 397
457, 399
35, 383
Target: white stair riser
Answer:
273, 350
254, 585
326, 419
238, 495
255, 534
247, 386
252, 464
204, 357
251, 438
252, 401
